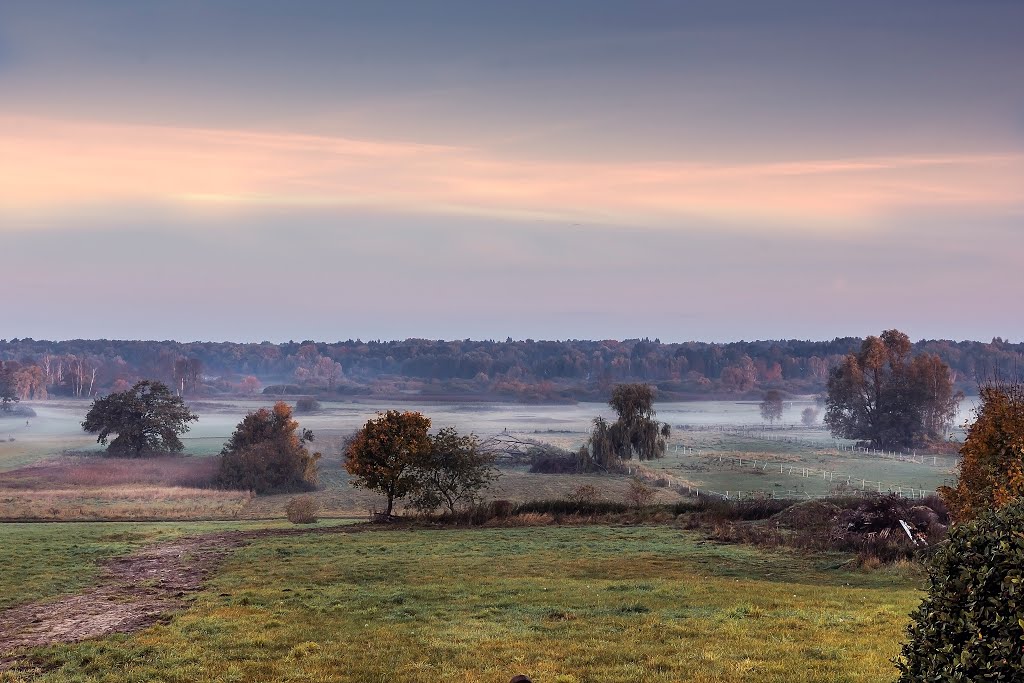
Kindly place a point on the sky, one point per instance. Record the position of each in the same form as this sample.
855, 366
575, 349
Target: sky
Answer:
256, 170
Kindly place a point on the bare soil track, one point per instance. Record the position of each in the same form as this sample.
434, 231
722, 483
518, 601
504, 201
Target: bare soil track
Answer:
133, 591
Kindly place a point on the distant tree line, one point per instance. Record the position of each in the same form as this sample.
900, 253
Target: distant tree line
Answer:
524, 370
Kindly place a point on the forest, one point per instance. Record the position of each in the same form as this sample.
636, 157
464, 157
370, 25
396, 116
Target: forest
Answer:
523, 370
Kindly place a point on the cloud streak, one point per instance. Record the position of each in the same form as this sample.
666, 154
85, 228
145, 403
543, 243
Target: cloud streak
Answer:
49, 165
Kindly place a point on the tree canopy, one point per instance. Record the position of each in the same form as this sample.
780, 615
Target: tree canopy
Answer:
457, 472
387, 454
146, 418
771, 406
884, 396
634, 434
267, 454
8, 390
527, 370
991, 469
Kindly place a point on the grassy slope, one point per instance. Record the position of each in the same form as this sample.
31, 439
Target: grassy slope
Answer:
44, 561
562, 604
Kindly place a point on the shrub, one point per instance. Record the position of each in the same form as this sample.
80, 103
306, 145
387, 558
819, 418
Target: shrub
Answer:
302, 510
563, 508
307, 405
971, 624
584, 493
554, 463
639, 494
267, 454
502, 508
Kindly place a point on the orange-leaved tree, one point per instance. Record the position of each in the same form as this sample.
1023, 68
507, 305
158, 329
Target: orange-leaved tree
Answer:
991, 471
268, 454
387, 454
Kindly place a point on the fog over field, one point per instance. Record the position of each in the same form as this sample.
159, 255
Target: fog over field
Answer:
58, 423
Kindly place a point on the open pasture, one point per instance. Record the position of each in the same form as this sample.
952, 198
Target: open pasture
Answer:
735, 461
46, 561
565, 604
36, 482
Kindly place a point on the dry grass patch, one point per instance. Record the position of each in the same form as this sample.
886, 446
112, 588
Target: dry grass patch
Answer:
121, 503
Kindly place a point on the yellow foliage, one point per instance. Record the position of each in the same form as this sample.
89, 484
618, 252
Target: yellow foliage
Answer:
992, 458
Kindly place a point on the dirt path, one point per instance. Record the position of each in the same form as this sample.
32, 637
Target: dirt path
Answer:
132, 592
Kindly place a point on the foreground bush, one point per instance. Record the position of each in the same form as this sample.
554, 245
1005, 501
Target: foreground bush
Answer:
302, 510
970, 627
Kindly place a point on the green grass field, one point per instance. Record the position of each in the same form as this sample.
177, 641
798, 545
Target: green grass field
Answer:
45, 561
714, 467
559, 603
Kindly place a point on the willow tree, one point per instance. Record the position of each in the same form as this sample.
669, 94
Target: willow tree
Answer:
634, 434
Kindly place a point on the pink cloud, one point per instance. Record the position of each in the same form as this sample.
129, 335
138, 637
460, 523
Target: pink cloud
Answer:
52, 165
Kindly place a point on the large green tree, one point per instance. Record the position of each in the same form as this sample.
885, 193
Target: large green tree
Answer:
387, 454
146, 418
267, 454
457, 472
883, 396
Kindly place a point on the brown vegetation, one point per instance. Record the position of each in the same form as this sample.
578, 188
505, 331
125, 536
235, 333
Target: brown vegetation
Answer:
94, 471
93, 487
302, 510
991, 470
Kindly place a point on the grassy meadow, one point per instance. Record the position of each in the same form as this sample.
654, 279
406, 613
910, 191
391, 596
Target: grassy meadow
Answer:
37, 482
708, 459
45, 561
562, 604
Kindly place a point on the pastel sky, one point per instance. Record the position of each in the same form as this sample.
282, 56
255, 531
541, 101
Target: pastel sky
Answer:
255, 169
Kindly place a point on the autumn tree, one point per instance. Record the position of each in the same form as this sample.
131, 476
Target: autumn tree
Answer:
250, 384
267, 454
771, 406
8, 386
387, 454
146, 418
30, 383
881, 395
991, 469
457, 472
742, 376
